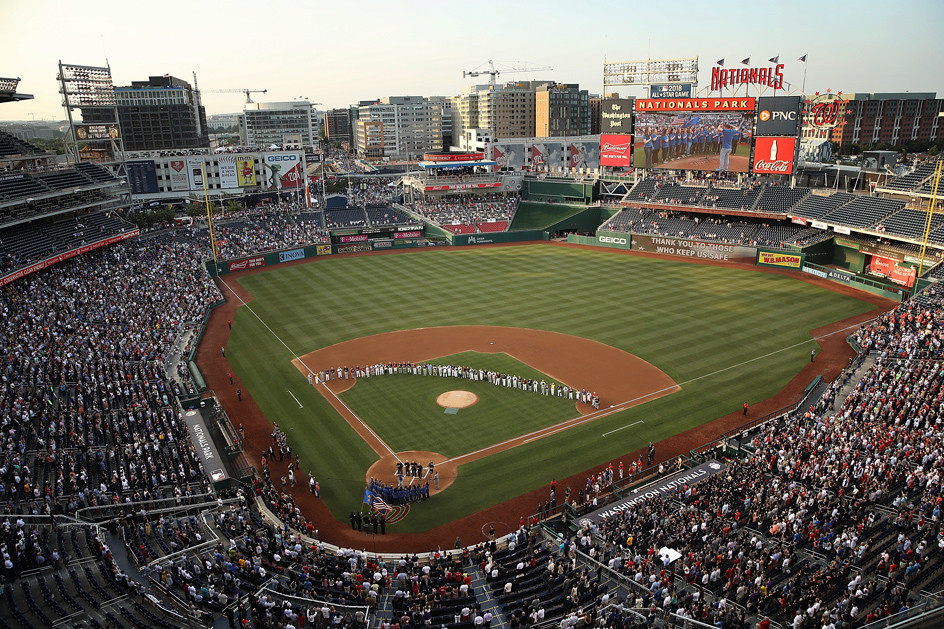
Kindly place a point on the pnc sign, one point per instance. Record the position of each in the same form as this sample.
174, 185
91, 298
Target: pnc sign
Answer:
778, 115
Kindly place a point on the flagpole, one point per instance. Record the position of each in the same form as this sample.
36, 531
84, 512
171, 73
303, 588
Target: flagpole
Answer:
806, 64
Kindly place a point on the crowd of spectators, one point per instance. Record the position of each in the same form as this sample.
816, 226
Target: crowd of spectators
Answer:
834, 516
467, 210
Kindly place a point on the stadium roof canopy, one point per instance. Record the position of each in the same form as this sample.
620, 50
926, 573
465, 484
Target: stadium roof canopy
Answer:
8, 91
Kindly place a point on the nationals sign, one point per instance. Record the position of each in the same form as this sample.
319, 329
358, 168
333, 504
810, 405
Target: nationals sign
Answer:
616, 150
774, 156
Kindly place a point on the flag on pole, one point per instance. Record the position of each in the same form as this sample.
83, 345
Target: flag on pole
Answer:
380, 505
774, 59
803, 58
368, 496
746, 61
720, 62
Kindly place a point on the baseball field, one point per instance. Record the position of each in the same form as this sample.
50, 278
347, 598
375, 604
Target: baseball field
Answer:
666, 345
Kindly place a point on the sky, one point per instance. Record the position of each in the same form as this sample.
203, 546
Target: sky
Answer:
337, 53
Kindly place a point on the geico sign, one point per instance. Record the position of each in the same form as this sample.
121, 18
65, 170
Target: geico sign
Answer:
612, 239
281, 158
777, 115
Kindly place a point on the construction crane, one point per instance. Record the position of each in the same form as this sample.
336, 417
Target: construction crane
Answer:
492, 72
245, 90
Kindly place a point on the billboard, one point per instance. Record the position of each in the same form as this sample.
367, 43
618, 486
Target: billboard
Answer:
282, 170
685, 248
670, 90
195, 173
778, 115
774, 156
178, 175
227, 166
694, 134
616, 150
886, 267
97, 131
142, 176
245, 171
779, 259
649, 71
616, 116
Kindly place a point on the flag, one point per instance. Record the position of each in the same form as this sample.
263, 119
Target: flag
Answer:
367, 496
774, 59
803, 58
720, 62
746, 62
380, 505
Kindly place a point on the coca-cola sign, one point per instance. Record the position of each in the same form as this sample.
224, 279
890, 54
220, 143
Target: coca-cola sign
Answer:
616, 150
774, 156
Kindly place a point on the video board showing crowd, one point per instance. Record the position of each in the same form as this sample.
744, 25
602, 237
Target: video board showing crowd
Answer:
712, 134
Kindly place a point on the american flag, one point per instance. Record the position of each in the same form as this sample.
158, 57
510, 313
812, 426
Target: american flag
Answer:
380, 505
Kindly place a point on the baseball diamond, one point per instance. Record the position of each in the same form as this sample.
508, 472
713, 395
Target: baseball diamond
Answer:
668, 319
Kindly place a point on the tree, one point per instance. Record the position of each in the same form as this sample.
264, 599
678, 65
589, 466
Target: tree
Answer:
233, 206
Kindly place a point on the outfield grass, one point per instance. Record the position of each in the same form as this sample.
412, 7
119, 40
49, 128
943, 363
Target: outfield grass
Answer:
726, 335
402, 409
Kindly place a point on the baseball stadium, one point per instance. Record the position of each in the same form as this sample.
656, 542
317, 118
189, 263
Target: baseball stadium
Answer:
701, 392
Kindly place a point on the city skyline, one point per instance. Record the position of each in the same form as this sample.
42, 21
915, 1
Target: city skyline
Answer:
335, 56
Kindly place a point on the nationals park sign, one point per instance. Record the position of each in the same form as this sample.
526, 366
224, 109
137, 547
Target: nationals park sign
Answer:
659, 489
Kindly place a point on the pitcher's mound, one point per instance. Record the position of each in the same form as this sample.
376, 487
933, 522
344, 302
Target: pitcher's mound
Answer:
457, 399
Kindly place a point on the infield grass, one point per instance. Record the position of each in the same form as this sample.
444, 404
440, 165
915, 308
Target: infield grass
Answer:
402, 409
728, 336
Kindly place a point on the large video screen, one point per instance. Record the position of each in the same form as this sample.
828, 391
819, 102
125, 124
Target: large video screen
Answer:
694, 134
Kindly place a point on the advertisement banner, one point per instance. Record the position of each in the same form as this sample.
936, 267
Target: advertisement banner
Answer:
355, 238
195, 173
463, 186
615, 240
694, 134
779, 259
409, 234
616, 150
886, 267
282, 170
142, 176
248, 263
203, 444
227, 166
288, 256
774, 156
178, 175
96, 131
245, 171
841, 229
616, 116
778, 115
818, 224
842, 276
323, 250
382, 244
670, 90
659, 489
842, 242
684, 248
353, 248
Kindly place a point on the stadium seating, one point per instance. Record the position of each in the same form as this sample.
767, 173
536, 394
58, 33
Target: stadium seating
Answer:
914, 180
780, 199
816, 206
864, 211
11, 145
909, 223
346, 217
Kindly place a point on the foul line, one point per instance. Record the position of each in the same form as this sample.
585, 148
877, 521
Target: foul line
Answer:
296, 399
298, 358
626, 426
